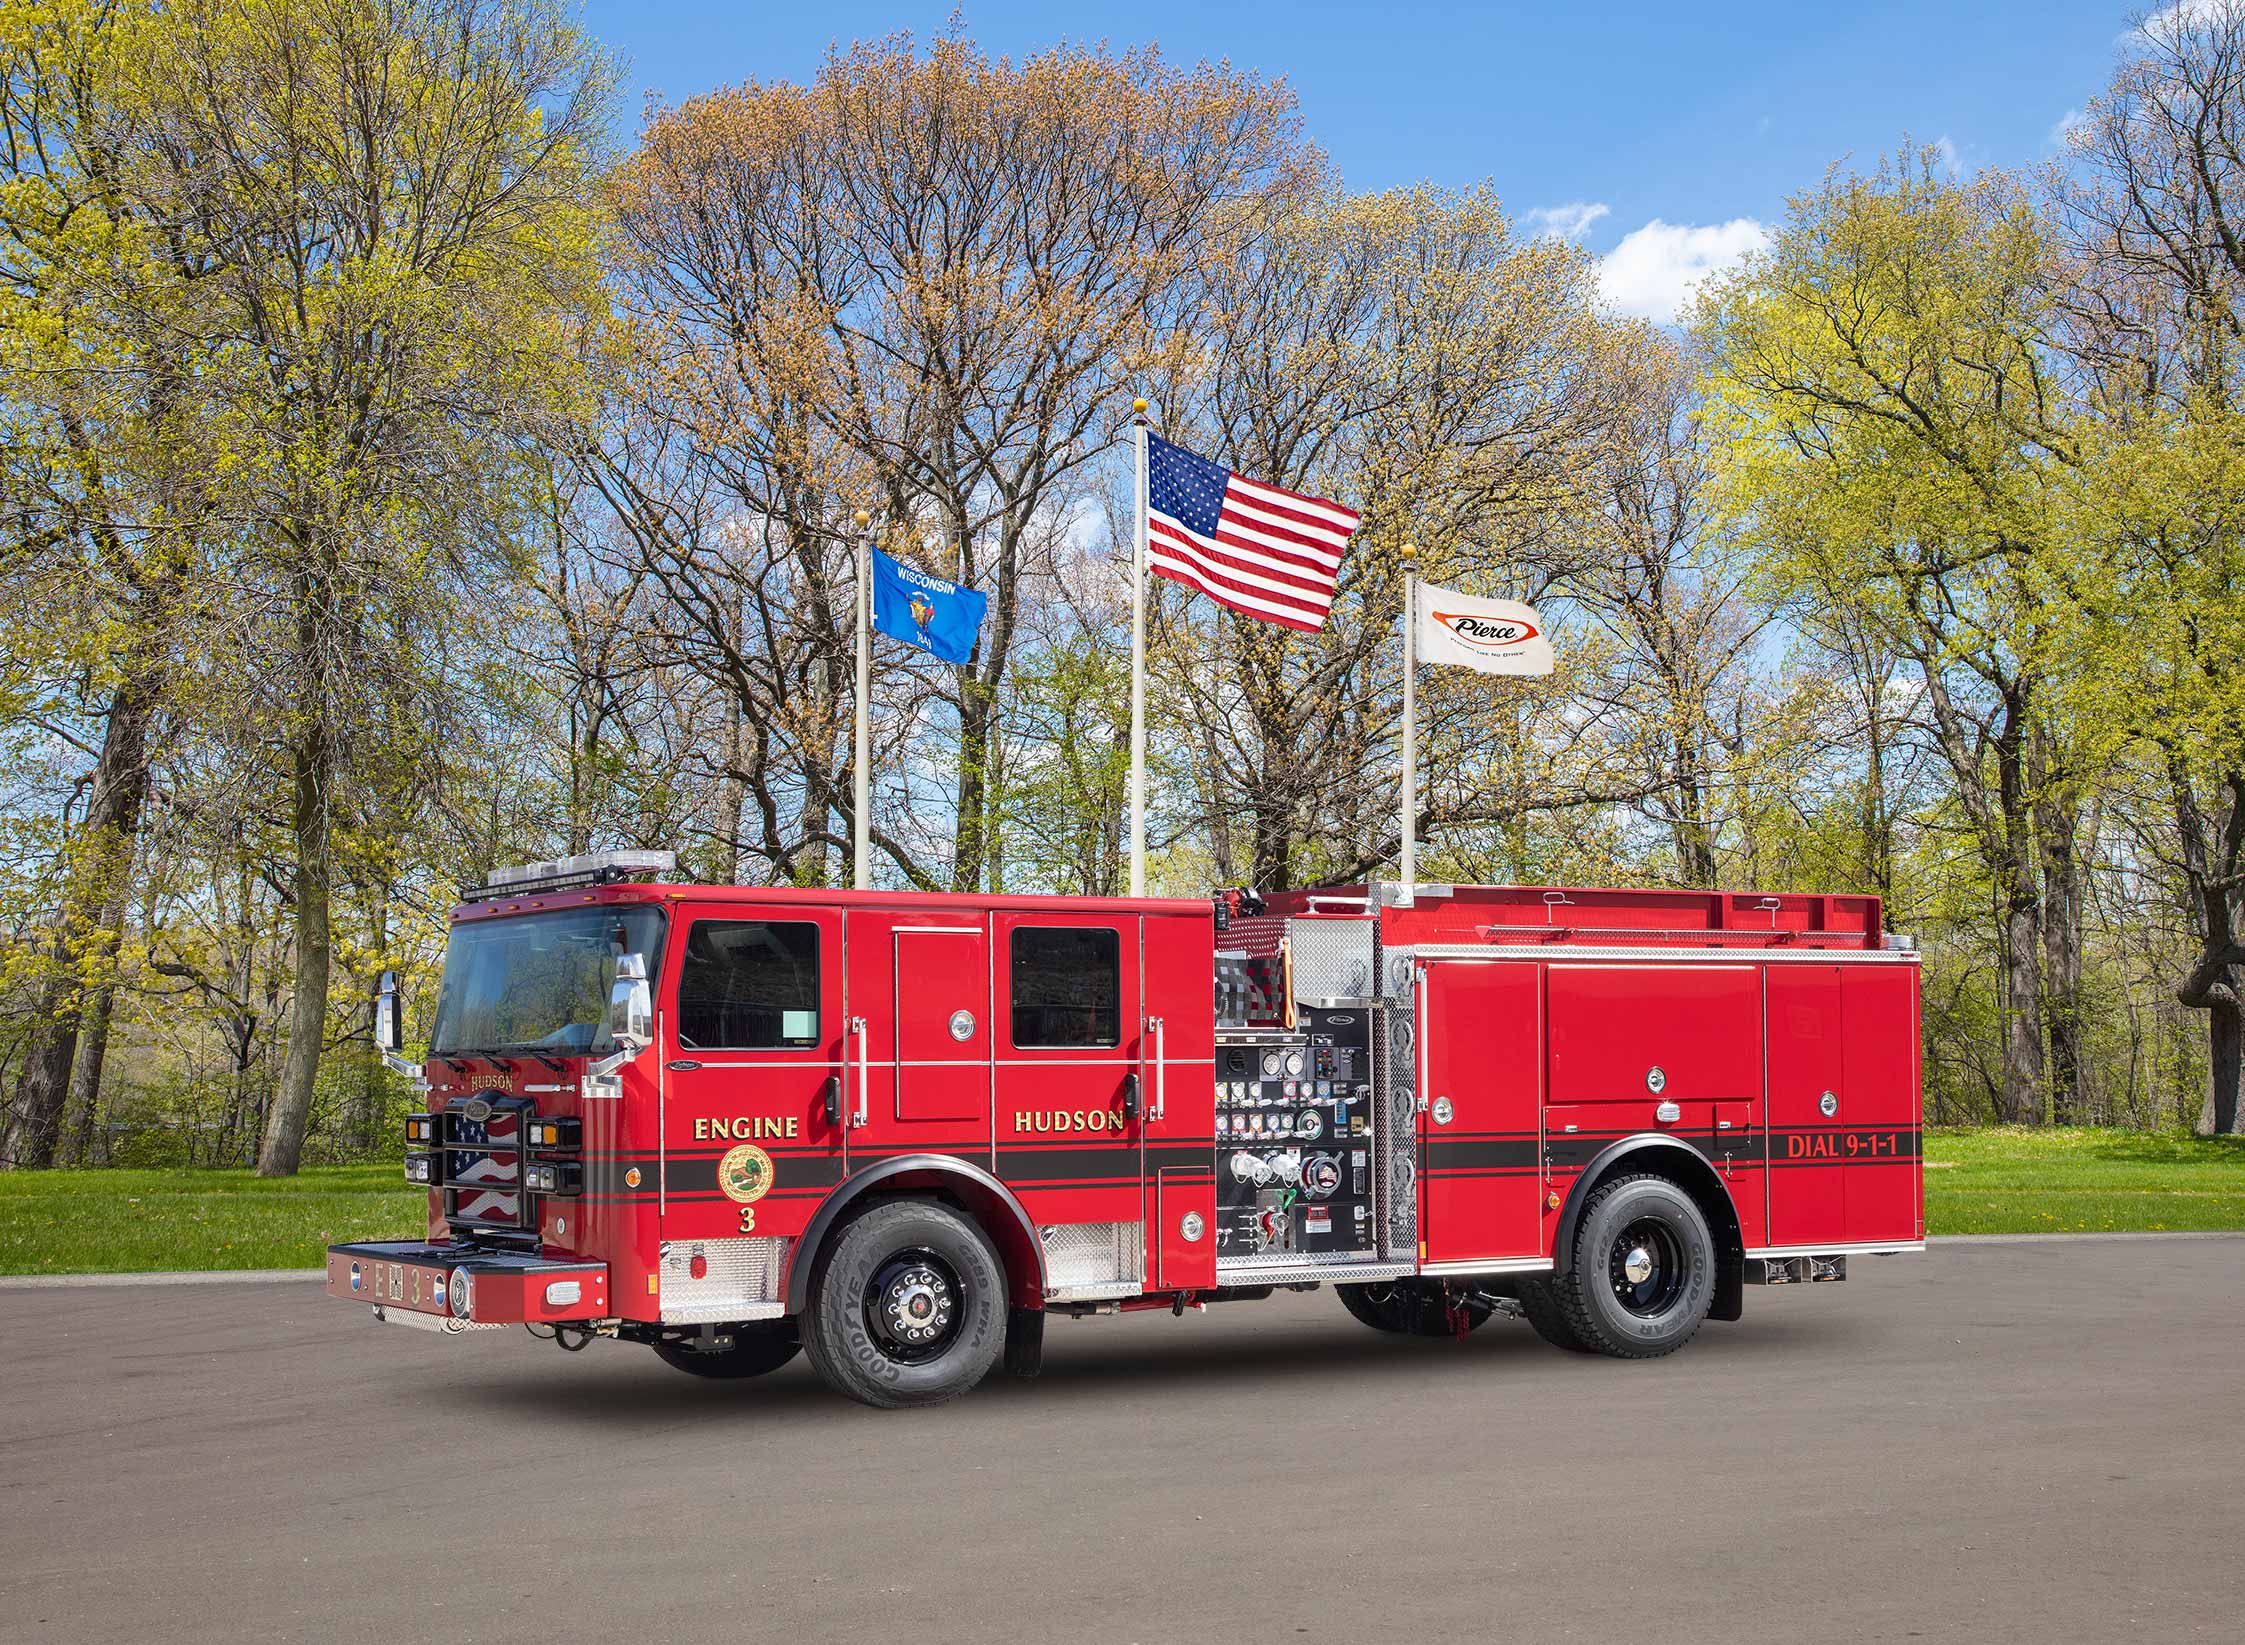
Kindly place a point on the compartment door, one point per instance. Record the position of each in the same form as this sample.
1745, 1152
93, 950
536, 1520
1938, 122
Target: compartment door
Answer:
1807, 1073
942, 1021
1481, 1030
1881, 1142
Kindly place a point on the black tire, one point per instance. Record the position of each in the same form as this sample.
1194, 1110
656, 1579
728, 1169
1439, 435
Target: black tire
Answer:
1404, 1309
903, 1268
1636, 1223
1540, 1306
752, 1349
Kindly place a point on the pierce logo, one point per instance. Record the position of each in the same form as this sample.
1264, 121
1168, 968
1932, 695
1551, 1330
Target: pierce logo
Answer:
1486, 633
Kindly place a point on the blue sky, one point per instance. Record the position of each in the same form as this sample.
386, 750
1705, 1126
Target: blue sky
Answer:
1698, 118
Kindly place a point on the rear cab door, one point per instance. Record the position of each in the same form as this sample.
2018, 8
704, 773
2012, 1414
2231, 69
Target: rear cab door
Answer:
1071, 1038
920, 1034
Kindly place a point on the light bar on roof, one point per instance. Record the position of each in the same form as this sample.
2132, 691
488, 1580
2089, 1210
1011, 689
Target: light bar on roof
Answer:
593, 868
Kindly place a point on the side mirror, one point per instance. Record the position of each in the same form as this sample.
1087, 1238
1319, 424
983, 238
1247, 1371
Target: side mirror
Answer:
631, 1003
389, 1029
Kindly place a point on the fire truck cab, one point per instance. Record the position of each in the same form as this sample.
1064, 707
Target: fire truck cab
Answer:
895, 1131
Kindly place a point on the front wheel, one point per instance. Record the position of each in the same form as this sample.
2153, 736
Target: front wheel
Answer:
1643, 1271
909, 1307
753, 1348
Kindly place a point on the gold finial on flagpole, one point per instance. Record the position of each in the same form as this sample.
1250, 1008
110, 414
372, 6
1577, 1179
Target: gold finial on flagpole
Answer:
1410, 551
862, 518
1138, 408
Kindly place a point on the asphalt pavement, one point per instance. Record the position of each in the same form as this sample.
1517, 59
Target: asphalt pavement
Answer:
1989, 1442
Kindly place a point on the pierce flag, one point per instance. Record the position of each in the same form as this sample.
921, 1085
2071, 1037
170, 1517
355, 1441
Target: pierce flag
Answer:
936, 616
1494, 636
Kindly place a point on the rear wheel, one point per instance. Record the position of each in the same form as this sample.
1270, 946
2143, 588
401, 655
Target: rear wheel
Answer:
1643, 1270
1405, 1309
751, 1349
909, 1307
1540, 1306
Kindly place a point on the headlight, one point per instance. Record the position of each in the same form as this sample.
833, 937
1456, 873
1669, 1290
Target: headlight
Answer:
565, 1132
551, 1177
420, 1128
421, 1168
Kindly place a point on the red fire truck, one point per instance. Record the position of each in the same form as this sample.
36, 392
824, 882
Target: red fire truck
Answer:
897, 1131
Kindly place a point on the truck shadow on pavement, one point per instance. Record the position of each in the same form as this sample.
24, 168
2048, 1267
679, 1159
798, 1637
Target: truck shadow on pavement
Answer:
617, 1383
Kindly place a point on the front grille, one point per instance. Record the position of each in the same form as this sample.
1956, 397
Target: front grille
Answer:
483, 1163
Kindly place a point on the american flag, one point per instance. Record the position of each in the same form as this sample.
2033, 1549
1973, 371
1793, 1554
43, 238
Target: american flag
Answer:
1268, 552
483, 1184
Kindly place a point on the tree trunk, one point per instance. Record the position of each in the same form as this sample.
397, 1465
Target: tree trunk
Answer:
100, 863
2057, 837
1695, 841
282, 1150
2225, 1035
2022, 1017
967, 843
2213, 848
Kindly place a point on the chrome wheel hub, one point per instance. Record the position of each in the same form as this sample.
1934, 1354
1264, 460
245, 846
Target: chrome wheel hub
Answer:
913, 1306
1646, 1267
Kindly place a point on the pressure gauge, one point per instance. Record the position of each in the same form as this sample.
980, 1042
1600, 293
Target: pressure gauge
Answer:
1308, 1123
1271, 1064
1293, 1062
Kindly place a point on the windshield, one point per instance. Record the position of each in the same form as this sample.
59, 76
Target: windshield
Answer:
538, 982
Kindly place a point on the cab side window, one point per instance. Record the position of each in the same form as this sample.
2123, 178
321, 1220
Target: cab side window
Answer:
1067, 986
749, 985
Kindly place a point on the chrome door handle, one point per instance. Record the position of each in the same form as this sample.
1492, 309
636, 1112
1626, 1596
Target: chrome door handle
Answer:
857, 1032
1161, 1072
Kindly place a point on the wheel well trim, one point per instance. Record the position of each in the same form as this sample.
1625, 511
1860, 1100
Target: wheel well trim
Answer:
854, 1189
1701, 1180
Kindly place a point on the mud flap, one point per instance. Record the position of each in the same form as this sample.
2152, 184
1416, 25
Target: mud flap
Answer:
1025, 1341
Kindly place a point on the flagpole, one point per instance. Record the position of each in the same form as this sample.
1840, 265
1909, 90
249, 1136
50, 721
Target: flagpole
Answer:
861, 854
1138, 662
1409, 864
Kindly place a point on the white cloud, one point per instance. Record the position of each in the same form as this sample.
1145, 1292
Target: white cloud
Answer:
1568, 222
1946, 147
1653, 270
2171, 20
2061, 134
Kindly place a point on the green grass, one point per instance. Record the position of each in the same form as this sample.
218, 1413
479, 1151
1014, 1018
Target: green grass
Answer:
111, 1222
2011, 1180
2006, 1181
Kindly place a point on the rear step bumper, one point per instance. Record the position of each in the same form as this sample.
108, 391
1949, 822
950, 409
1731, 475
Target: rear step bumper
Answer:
417, 1283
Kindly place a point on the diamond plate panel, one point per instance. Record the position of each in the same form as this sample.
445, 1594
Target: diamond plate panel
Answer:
1106, 1257
743, 1280
1333, 959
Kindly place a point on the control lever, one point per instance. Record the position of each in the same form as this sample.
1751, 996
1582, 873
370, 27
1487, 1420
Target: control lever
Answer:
833, 1099
1130, 1096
